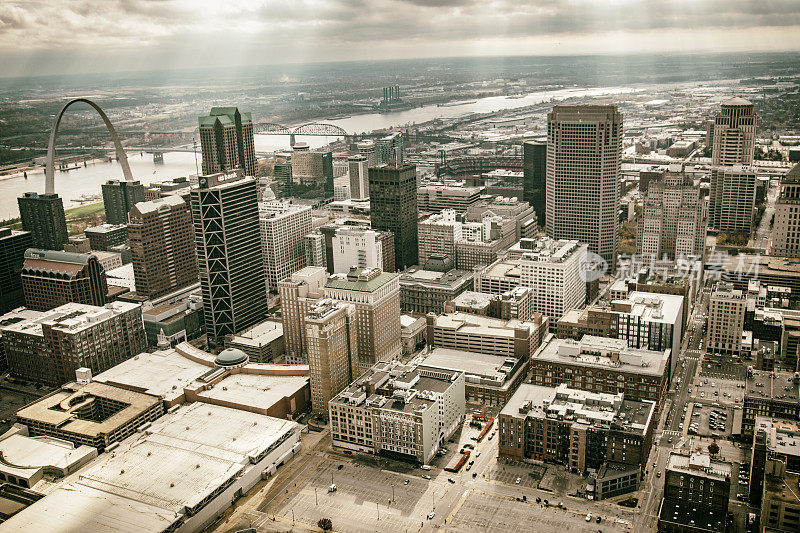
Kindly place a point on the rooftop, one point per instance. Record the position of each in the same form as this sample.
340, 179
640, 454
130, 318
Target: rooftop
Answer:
70, 318
61, 408
563, 403
260, 334
491, 367
699, 464
481, 325
105, 228
702, 519
765, 385
652, 307
431, 278
360, 280
601, 352
782, 436
153, 206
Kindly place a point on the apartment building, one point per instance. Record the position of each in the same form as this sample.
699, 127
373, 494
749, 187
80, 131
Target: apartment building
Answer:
51, 347
578, 429
331, 337
602, 365
298, 295
726, 313
400, 411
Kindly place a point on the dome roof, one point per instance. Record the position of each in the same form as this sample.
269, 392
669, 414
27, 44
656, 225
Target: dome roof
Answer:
231, 357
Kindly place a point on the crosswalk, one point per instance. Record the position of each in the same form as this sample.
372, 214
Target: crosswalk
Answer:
670, 433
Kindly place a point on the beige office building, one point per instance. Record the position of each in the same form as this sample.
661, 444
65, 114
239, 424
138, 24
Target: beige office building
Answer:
438, 235
725, 320
734, 133
298, 295
786, 228
330, 330
672, 221
584, 146
376, 297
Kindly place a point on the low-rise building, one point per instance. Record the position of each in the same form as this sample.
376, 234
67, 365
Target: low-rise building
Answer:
92, 414
516, 303
772, 394
51, 347
398, 410
187, 374
426, 291
263, 343
490, 379
105, 236
494, 336
579, 429
179, 475
435, 196
602, 365
412, 333
175, 321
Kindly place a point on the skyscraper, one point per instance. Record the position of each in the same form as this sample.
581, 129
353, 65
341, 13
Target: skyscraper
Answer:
118, 198
672, 221
13, 244
367, 149
227, 142
359, 177
376, 297
534, 170
43, 216
327, 173
786, 229
282, 174
732, 198
389, 149
734, 133
283, 226
225, 216
584, 146
330, 330
162, 246
393, 207
299, 294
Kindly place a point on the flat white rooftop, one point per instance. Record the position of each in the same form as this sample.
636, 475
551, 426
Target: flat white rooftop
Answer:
256, 390
163, 373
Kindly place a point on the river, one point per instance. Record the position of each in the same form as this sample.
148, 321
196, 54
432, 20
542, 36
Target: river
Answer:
87, 180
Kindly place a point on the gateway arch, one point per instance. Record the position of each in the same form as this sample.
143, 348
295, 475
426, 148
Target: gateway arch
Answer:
123, 159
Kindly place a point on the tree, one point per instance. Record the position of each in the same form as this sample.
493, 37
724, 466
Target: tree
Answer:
713, 448
325, 524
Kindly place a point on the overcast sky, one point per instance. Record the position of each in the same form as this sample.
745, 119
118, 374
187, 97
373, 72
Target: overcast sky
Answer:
68, 36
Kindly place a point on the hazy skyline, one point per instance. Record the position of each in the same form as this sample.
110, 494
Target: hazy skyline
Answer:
40, 37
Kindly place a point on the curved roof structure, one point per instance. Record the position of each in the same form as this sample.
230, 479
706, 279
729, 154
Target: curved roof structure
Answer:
231, 357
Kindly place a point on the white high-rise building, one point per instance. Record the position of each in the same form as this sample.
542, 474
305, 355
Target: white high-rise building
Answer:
357, 247
584, 147
438, 235
552, 269
734, 133
672, 221
367, 149
283, 227
359, 177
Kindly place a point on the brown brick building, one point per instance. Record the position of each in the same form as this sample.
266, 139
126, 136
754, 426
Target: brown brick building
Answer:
51, 278
162, 246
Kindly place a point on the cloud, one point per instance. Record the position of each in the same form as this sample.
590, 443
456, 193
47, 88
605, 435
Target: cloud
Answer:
294, 30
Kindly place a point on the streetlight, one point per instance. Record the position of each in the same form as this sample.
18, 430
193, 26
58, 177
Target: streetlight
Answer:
316, 502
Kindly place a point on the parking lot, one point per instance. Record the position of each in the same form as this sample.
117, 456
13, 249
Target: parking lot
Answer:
365, 498
720, 390
528, 475
723, 370
721, 417
489, 512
